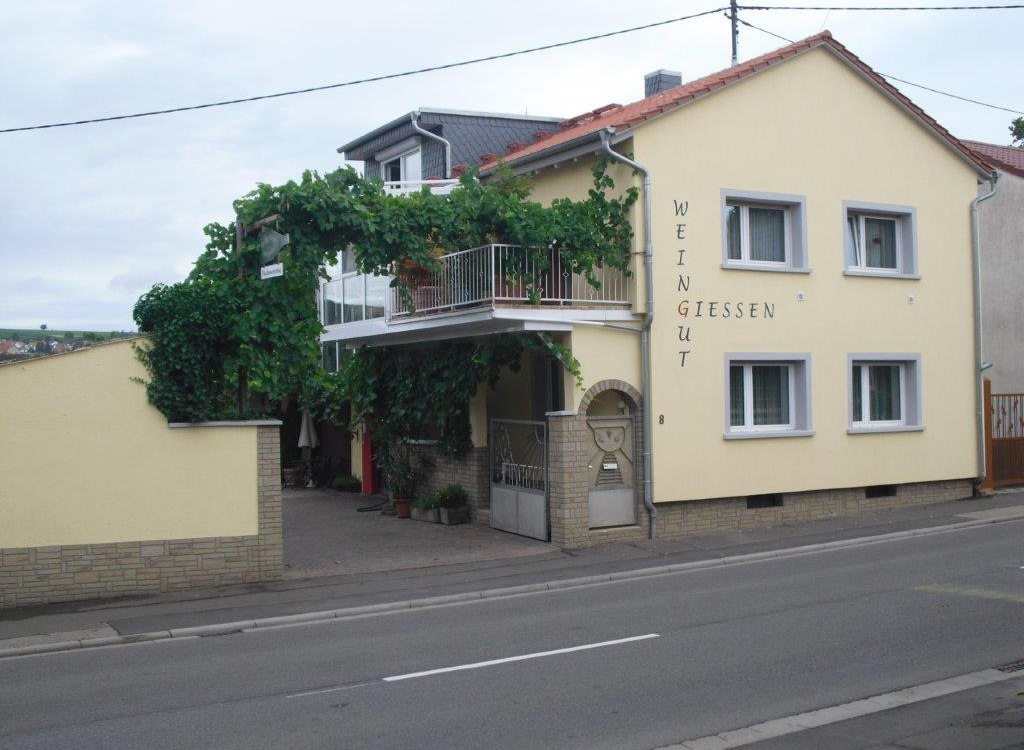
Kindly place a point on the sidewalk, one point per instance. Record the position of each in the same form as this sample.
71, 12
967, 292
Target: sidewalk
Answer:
116, 619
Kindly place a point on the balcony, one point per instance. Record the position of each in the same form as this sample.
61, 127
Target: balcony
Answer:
482, 291
504, 275
405, 187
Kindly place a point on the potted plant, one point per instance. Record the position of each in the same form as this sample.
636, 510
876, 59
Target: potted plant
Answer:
453, 505
404, 471
426, 509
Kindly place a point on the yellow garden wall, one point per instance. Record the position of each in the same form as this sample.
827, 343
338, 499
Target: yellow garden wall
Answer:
84, 459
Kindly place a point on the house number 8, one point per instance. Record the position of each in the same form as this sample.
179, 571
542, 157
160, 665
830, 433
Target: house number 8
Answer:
661, 419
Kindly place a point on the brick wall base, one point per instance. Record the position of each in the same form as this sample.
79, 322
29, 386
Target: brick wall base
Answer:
40, 575
469, 471
699, 516
681, 519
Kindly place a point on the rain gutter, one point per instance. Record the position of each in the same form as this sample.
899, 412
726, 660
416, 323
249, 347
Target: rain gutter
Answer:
645, 329
414, 118
979, 386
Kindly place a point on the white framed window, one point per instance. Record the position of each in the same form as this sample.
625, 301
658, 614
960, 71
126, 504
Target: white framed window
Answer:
767, 395
763, 231
884, 392
330, 359
352, 296
402, 162
880, 240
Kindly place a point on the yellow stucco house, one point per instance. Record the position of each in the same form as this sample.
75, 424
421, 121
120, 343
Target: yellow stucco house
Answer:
797, 338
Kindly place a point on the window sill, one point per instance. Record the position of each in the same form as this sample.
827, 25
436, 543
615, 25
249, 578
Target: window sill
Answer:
740, 266
767, 434
881, 274
881, 429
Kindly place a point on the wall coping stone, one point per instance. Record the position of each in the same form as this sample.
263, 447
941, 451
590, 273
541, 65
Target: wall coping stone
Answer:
229, 423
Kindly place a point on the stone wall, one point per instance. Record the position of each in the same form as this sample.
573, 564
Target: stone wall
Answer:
39, 575
702, 516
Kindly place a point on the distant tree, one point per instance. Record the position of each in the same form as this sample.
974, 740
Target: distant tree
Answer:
1017, 131
42, 327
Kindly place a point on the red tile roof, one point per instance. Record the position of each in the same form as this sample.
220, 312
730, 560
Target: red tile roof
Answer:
1008, 158
620, 117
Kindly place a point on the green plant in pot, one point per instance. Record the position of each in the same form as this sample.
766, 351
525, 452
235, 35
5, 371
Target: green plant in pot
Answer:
427, 509
452, 504
404, 471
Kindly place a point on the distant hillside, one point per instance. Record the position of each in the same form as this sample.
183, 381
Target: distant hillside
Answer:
35, 334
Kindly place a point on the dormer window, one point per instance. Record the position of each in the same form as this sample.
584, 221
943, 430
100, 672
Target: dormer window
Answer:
401, 162
393, 170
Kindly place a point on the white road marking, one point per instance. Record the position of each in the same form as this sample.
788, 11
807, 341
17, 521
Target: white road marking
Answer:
833, 714
948, 588
523, 657
476, 665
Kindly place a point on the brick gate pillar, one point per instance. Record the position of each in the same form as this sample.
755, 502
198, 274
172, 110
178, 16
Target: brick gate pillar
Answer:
567, 480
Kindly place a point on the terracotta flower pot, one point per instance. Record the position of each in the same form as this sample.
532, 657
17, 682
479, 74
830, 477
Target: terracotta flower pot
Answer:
403, 508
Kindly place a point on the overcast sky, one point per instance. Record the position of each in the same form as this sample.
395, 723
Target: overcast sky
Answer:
92, 216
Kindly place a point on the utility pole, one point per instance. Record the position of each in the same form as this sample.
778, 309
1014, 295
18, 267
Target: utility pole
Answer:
735, 28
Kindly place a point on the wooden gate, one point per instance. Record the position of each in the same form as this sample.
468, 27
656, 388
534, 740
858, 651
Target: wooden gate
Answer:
1004, 437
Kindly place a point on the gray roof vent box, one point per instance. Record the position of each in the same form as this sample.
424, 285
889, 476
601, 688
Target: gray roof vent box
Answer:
661, 80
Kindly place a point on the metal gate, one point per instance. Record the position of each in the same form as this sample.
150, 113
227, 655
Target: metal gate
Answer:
519, 477
1006, 437
612, 485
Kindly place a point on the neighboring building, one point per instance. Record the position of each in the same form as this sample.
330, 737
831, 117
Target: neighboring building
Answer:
1002, 268
432, 144
423, 148
811, 351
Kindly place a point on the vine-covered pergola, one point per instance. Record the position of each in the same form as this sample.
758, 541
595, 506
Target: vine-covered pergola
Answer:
224, 327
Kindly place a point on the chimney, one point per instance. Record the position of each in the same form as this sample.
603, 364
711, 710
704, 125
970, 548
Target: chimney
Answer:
661, 80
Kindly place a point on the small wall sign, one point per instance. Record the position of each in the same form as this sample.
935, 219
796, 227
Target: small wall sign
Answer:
274, 269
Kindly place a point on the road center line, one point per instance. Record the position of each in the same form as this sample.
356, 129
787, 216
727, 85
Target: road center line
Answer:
523, 657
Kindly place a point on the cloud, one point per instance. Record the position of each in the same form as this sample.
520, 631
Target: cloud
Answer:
93, 59
93, 215
140, 281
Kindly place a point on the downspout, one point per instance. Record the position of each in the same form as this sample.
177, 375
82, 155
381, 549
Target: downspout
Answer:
979, 387
645, 330
415, 119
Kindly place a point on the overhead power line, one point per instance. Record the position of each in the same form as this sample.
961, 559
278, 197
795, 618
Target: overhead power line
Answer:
385, 77
901, 80
880, 7
530, 50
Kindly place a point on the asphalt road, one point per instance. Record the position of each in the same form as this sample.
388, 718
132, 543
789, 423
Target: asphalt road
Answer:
707, 651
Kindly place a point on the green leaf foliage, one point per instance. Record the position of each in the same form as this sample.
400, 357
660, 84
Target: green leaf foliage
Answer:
224, 328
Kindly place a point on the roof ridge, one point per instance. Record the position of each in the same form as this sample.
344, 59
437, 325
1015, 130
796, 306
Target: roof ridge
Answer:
625, 117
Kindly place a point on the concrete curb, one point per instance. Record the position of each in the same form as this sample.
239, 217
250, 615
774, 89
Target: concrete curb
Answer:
305, 618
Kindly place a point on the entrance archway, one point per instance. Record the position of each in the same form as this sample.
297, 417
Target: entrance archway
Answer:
614, 459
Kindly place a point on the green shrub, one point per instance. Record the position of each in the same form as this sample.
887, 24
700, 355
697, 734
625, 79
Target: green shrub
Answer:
427, 503
452, 496
346, 484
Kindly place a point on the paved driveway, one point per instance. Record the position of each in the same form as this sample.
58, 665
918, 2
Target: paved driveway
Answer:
324, 534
